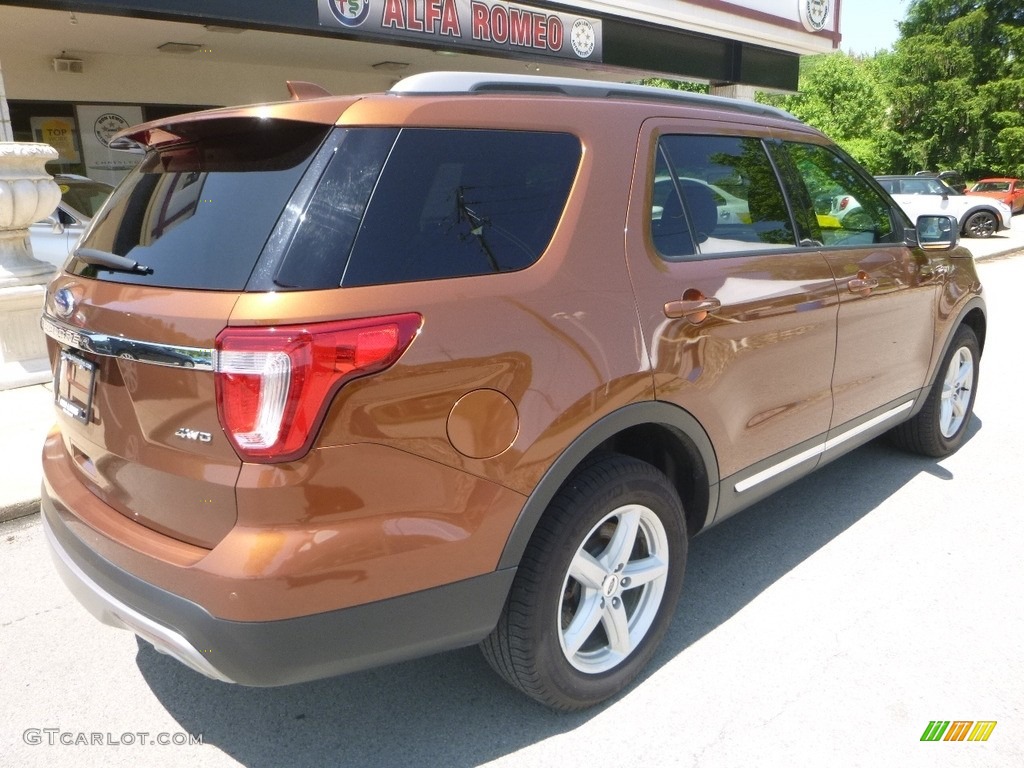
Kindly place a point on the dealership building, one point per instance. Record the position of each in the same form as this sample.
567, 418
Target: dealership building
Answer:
74, 73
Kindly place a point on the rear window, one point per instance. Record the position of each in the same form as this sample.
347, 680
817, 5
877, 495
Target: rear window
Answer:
198, 215
453, 203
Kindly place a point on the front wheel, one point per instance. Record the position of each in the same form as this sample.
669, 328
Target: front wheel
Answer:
597, 586
940, 426
981, 224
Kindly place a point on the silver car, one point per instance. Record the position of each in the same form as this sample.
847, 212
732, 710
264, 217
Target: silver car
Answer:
55, 236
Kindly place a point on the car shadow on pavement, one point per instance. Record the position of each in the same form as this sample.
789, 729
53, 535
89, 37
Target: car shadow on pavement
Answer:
452, 710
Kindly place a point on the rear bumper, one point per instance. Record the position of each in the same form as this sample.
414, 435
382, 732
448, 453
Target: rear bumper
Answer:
270, 653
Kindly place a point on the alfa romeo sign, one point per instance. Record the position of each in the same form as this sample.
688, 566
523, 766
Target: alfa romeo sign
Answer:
483, 24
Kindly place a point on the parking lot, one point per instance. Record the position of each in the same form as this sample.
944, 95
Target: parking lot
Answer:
1006, 240
827, 625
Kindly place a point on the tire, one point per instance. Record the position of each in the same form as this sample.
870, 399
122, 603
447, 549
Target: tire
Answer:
981, 224
940, 426
596, 588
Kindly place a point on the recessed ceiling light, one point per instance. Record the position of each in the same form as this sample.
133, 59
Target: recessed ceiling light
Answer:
224, 30
391, 66
179, 47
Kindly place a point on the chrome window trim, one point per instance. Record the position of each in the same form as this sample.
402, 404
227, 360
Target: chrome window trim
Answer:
168, 355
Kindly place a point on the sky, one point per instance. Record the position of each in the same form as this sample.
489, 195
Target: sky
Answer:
870, 25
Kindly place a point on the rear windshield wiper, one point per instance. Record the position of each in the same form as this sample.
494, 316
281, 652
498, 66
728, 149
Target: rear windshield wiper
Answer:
111, 261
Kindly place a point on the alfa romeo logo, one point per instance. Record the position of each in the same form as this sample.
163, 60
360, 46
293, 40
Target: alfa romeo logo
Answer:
351, 13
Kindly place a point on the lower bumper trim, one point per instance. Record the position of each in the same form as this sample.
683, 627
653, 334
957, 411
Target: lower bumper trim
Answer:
115, 613
284, 651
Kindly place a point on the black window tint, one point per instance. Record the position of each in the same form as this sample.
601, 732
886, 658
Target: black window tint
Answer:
848, 209
328, 225
670, 229
198, 215
453, 203
86, 197
731, 193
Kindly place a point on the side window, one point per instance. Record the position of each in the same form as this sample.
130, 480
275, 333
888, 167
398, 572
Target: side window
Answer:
848, 210
935, 187
453, 203
917, 187
725, 188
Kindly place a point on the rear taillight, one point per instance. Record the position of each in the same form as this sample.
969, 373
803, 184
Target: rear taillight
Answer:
274, 383
843, 203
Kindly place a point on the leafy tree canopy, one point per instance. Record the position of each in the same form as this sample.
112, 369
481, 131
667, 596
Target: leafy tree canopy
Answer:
949, 95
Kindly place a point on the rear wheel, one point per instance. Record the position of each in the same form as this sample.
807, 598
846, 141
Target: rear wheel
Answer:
596, 588
940, 426
981, 224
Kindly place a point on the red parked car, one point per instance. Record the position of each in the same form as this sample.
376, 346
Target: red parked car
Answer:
1010, 191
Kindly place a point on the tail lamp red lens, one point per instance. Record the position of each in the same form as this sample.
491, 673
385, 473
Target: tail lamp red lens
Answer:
843, 203
274, 383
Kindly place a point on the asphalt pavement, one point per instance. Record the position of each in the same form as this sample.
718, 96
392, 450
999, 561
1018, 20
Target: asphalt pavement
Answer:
831, 624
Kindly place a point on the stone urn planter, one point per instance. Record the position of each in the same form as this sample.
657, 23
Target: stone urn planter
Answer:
27, 194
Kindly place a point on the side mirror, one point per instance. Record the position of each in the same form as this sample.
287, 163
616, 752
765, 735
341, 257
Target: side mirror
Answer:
937, 233
54, 224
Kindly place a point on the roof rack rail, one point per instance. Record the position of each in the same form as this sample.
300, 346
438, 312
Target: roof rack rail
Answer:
486, 82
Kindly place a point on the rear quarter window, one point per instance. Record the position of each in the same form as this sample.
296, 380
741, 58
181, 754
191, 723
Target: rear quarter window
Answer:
455, 203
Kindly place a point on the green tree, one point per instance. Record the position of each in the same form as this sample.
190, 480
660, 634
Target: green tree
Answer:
841, 96
676, 85
949, 95
955, 83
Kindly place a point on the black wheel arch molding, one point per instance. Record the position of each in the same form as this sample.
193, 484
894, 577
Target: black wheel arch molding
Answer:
642, 430
973, 314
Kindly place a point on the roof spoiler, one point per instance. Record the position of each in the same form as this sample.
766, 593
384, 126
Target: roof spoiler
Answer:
300, 90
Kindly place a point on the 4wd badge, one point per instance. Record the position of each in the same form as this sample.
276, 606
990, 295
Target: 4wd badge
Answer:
193, 434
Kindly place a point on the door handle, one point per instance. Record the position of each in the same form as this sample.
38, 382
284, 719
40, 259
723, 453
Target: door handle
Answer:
696, 310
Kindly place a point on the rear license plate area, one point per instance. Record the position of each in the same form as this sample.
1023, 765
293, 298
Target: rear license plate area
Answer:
74, 386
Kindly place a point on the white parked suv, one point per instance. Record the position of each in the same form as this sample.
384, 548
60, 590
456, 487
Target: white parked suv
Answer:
923, 195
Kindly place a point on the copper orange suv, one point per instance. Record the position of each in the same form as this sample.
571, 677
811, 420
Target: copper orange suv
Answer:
347, 380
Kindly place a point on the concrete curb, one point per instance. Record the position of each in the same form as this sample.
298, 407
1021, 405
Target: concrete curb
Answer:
27, 415
17, 509
999, 254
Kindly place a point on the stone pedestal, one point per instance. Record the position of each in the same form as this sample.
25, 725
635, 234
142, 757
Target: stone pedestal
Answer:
27, 194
